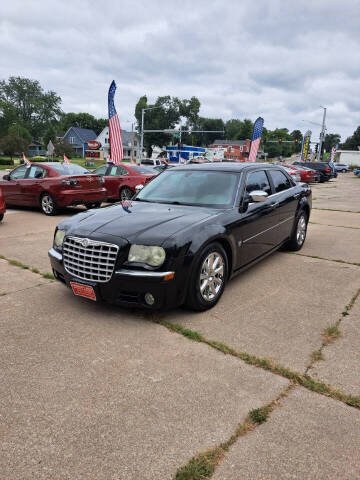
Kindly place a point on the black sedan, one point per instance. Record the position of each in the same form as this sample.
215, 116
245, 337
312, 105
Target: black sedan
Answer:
184, 235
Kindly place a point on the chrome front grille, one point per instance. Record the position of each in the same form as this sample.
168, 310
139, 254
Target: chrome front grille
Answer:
89, 259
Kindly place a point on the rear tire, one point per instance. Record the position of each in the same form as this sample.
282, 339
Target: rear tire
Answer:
48, 204
343, 171
125, 194
298, 234
93, 205
208, 278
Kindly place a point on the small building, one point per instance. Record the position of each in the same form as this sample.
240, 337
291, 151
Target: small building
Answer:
234, 149
78, 139
186, 153
36, 149
127, 141
348, 157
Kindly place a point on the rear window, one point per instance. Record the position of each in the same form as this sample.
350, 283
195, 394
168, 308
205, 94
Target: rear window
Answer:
69, 169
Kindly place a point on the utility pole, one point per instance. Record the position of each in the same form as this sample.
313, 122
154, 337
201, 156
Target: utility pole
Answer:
142, 133
322, 136
132, 141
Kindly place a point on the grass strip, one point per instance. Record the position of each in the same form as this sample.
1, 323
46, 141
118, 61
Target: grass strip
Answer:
203, 465
334, 210
16, 263
338, 226
323, 258
303, 380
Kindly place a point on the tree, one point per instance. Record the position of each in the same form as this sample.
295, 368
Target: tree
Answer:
12, 144
62, 148
82, 120
352, 143
331, 140
296, 135
50, 134
25, 101
168, 114
19, 131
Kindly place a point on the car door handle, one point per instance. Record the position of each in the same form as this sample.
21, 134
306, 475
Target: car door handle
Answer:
274, 205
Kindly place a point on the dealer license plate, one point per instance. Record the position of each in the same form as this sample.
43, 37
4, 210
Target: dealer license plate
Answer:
82, 290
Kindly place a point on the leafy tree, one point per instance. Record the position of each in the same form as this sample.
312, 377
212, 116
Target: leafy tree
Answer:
19, 131
25, 101
166, 113
62, 148
297, 135
352, 143
50, 134
331, 140
246, 130
12, 144
82, 120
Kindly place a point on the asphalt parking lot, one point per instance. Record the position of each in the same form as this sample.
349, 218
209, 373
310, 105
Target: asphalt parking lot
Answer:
264, 386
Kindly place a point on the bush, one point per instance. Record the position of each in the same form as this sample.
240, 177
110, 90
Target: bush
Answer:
5, 161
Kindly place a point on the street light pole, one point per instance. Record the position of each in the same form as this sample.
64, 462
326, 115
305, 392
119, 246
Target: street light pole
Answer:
322, 135
142, 133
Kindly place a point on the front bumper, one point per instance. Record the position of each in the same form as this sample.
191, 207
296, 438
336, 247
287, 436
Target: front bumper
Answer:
128, 287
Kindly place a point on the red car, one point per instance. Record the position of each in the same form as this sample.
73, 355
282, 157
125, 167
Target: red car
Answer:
2, 205
121, 180
53, 185
306, 175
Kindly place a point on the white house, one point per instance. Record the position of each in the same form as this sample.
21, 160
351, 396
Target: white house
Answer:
348, 157
127, 139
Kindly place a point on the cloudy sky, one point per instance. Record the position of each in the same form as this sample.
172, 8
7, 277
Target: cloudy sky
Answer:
280, 59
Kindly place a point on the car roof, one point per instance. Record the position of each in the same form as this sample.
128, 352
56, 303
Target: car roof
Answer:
226, 166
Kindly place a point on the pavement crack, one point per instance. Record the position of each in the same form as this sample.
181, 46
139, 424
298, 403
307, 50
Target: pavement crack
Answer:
336, 260
304, 380
18, 264
203, 465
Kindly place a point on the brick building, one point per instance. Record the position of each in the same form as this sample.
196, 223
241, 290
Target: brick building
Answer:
235, 149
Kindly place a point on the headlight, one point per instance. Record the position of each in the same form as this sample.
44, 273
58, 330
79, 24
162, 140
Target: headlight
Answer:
153, 256
59, 238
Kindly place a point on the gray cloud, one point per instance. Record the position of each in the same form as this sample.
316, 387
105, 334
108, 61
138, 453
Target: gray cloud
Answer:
278, 59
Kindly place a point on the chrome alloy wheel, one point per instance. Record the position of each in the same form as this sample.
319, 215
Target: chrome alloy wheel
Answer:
47, 204
301, 230
212, 276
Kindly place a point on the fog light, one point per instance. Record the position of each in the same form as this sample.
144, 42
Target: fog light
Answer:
149, 299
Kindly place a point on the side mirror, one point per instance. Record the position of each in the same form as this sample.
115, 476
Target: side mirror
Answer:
138, 188
6, 177
258, 196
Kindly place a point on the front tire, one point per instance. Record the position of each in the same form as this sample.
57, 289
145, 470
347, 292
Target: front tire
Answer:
298, 235
208, 278
48, 204
1, 216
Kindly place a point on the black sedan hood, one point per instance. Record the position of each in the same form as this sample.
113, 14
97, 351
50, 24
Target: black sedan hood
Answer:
139, 222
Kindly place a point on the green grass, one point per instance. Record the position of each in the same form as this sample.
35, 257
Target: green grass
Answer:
18, 264
331, 333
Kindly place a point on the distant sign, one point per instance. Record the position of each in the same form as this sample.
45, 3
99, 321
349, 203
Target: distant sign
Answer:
305, 146
94, 145
50, 148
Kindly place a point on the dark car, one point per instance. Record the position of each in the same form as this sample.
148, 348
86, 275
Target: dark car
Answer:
121, 180
2, 206
323, 168
51, 186
183, 237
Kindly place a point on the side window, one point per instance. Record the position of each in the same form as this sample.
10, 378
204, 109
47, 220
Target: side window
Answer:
18, 173
258, 181
101, 170
114, 171
281, 182
121, 171
37, 172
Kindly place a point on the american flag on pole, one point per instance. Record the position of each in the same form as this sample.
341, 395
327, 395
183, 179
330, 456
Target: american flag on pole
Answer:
256, 138
26, 161
116, 148
66, 159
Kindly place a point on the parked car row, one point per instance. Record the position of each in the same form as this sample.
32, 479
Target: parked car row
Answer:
55, 185
323, 169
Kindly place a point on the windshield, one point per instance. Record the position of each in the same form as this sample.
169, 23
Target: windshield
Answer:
68, 168
192, 187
